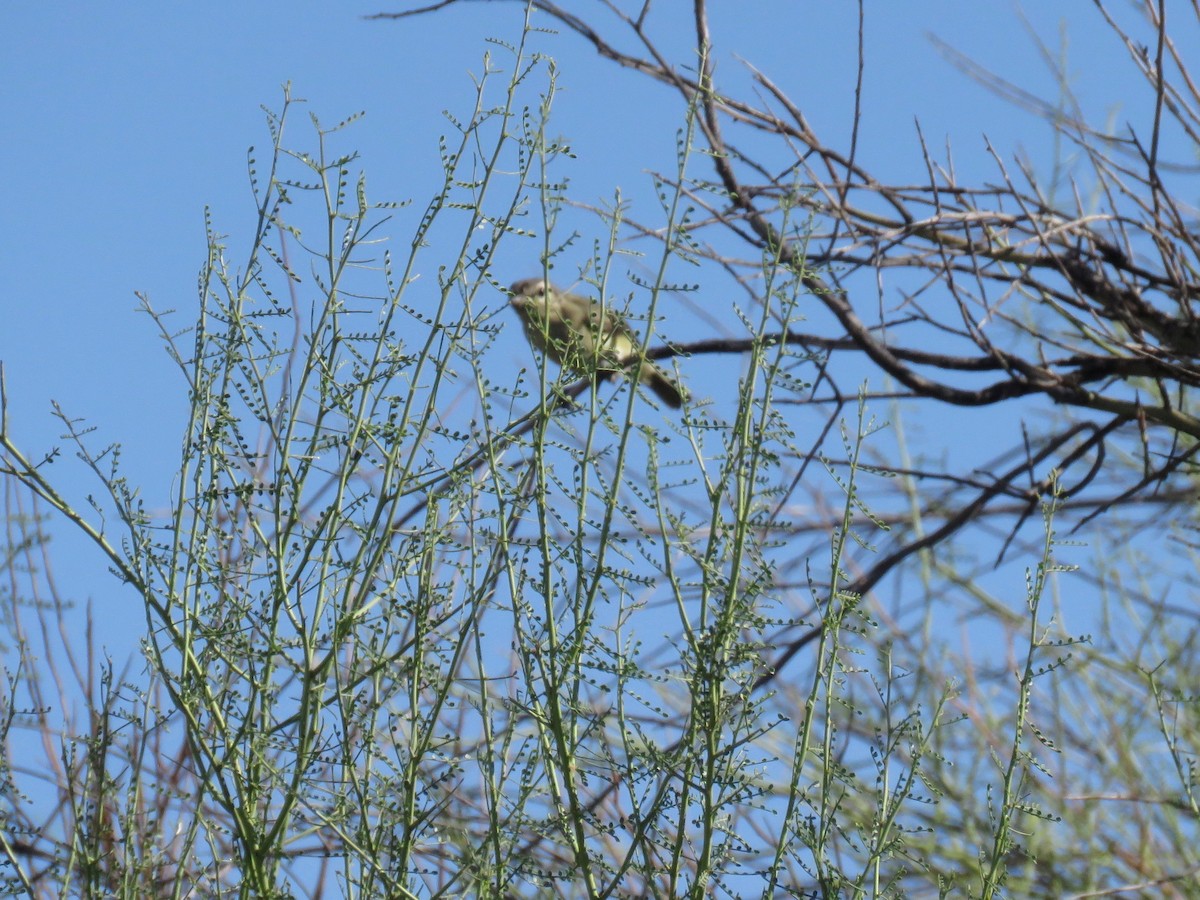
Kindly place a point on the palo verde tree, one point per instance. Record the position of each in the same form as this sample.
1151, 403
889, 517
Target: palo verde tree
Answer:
423, 621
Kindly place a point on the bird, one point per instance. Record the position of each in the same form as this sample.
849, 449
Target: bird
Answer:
582, 335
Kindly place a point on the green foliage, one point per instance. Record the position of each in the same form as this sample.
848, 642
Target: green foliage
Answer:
421, 624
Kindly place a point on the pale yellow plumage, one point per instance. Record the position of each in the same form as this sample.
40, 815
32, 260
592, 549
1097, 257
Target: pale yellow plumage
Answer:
581, 335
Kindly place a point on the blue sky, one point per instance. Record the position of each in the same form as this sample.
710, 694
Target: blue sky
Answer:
124, 122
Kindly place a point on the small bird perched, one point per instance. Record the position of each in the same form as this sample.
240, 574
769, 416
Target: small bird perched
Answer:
581, 335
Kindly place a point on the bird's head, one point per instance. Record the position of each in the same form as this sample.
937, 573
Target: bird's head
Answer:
531, 298
529, 290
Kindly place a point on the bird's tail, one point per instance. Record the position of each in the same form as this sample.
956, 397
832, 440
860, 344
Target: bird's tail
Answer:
663, 385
